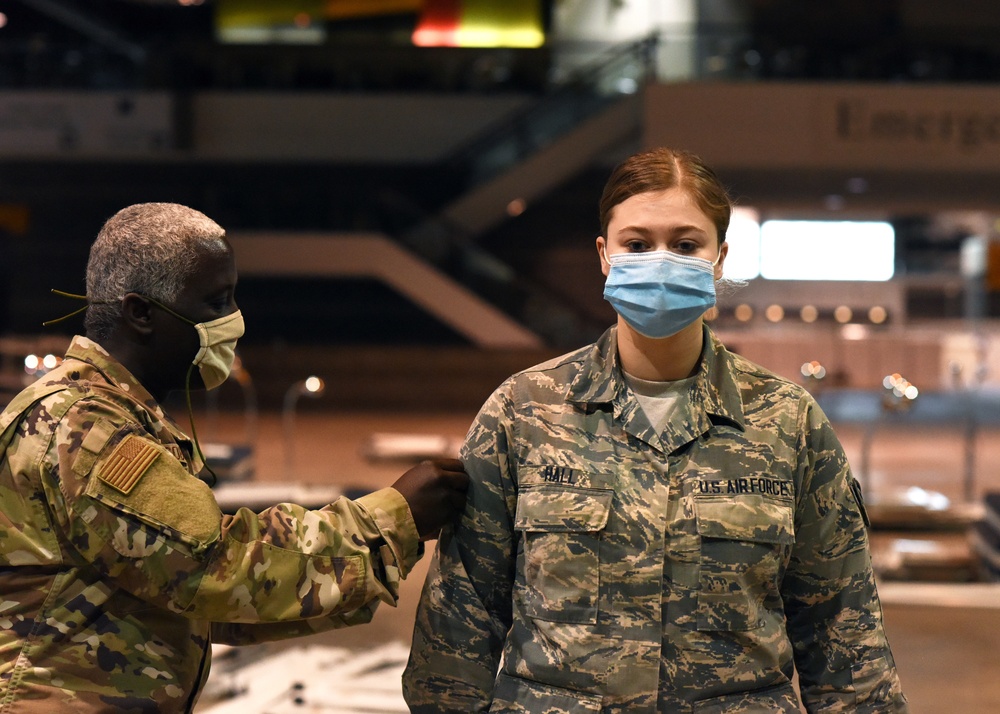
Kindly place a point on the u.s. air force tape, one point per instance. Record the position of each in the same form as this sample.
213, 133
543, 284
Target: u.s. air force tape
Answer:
127, 463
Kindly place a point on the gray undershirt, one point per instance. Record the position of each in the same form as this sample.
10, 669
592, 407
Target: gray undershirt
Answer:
659, 400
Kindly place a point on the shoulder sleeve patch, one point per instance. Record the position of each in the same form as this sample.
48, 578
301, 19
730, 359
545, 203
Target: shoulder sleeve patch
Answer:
128, 463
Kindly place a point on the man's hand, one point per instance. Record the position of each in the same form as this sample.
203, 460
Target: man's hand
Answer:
435, 491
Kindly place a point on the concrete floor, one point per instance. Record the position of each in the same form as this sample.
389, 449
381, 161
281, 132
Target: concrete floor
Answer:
945, 645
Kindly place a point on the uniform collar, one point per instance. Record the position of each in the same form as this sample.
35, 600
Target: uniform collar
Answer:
87, 351
715, 397
716, 387
600, 376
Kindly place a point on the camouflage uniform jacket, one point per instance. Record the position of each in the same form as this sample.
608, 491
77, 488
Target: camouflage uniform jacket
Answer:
604, 567
118, 570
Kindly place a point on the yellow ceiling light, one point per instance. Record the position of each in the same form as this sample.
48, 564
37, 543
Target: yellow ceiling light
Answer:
231, 14
480, 23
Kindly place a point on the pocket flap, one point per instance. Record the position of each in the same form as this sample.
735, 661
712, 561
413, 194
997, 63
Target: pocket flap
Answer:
563, 508
747, 517
516, 694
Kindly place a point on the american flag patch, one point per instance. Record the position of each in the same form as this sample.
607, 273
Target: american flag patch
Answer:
127, 463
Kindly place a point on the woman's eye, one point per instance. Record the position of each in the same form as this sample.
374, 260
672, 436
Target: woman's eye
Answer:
635, 246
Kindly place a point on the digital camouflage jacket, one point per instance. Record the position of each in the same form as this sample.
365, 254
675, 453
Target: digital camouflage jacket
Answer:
118, 570
603, 567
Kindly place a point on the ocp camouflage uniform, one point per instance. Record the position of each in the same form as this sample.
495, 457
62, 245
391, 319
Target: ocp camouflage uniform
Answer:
118, 570
610, 568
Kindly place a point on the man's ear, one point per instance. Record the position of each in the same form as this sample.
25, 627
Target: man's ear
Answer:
137, 313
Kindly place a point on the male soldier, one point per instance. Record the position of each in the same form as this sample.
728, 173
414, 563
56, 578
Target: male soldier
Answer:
117, 568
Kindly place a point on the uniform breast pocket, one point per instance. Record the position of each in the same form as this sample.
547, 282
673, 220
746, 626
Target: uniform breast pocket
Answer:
561, 529
744, 541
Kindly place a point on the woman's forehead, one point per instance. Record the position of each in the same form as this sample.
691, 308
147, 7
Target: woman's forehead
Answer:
660, 208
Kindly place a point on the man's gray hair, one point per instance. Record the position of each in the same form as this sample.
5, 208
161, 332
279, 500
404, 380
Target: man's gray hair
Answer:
148, 248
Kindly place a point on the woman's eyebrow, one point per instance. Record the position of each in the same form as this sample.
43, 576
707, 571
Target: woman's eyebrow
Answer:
682, 228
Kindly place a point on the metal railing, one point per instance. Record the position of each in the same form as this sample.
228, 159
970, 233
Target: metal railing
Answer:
622, 69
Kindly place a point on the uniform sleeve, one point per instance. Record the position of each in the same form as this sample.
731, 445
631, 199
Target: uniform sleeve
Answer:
831, 604
243, 633
132, 510
396, 517
465, 609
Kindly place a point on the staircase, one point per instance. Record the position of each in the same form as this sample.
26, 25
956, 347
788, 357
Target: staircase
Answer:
509, 166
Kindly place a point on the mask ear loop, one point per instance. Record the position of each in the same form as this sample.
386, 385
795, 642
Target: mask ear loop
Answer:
62, 293
605, 256
89, 302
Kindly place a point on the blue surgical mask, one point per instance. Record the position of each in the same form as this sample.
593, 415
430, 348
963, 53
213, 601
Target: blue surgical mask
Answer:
659, 293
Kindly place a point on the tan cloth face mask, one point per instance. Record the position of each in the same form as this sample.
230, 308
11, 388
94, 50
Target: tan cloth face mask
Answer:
218, 348
217, 338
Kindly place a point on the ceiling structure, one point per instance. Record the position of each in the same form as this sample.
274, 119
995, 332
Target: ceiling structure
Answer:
917, 40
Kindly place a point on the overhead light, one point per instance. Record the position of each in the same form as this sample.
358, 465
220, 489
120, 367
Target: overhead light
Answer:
447, 23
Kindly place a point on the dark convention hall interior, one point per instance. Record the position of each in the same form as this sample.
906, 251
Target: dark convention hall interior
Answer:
412, 189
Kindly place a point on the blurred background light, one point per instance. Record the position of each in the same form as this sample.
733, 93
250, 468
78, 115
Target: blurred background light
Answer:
827, 250
843, 314
743, 237
480, 23
775, 313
